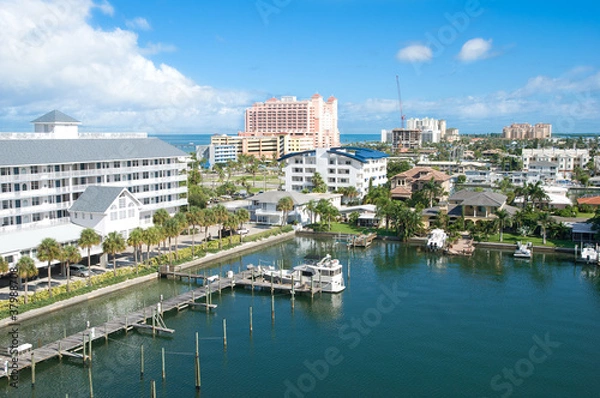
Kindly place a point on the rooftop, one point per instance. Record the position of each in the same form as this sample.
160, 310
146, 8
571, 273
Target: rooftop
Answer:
56, 117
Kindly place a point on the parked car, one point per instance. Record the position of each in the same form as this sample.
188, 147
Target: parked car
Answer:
79, 270
242, 231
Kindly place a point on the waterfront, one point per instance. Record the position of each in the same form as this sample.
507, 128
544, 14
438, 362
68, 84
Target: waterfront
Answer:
410, 323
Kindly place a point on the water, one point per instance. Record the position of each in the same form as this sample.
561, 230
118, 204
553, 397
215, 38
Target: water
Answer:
409, 323
188, 142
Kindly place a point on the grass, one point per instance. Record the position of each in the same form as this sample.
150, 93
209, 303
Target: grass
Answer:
535, 240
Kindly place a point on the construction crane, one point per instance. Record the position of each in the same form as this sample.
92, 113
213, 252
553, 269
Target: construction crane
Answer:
400, 101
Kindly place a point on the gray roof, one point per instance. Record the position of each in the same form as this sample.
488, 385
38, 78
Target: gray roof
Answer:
29, 238
543, 163
472, 198
273, 197
96, 199
82, 150
55, 117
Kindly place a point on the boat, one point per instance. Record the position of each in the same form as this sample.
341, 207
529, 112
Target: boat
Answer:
523, 250
589, 254
324, 275
436, 239
282, 276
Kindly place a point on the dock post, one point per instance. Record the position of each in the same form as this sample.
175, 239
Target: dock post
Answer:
91, 384
271, 284
144, 316
293, 293
575, 252
197, 373
59, 351
32, 370
207, 292
320, 284
348, 269
153, 324
252, 278
105, 333
90, 347
272, 308
224, 334
152, 389
126, 324
83, 337
164, 373
65, 332
141, 362
250, 311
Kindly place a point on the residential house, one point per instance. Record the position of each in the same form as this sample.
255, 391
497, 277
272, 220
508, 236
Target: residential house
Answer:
404, 184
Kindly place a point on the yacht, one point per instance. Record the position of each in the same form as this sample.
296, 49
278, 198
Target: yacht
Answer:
436, 239
523, 250
589, 254
324, 274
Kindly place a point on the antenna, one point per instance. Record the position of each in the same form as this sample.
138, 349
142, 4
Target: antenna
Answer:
400, 101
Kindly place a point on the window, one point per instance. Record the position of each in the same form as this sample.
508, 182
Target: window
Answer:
34, 170
36, 217
7, 187
121, 202
113, 215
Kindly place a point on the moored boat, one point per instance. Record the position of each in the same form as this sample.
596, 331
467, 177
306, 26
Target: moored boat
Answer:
523, 250
325, 274
436, 239
589, 254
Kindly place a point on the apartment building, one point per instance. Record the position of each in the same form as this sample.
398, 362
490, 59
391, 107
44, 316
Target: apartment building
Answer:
565, 160
44, 174
339, 167
268, 146
525, 131
216, 154
433, 130
403, 140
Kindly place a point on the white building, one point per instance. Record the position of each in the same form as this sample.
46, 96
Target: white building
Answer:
433, 130
565, 159
339, 167
215, 154
43, 174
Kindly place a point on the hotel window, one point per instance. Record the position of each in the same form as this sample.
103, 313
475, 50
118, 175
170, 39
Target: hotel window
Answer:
34, 170
117, 165
36, 217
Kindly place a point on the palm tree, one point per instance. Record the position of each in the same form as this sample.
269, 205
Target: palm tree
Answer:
432, 190
151, 237
311, 206
242, 216
26, 269
49, 250
135, 240
160, 217
327, 211
171, 230
318, 183
285, 205
113, 244
209, 220
231, 222
3, 265
195, 218
503, 220
87, 240
544, 220
220, 213
70, 255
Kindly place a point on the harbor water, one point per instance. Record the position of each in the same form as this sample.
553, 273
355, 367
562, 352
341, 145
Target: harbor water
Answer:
410, 323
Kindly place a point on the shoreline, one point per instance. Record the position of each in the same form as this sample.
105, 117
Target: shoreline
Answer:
243, 248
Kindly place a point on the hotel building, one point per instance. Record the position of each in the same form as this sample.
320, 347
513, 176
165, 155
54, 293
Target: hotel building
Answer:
562, 161
43, 176
525, 131
339, 167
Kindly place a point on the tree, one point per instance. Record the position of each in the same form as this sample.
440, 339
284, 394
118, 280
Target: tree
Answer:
135, 240
3, 265
209, 220
160, 217
70, 255
311, 206
88, 239
182, 224
503, 220
230, 223
26, 269
318, 183
171, 230
49, 250
432, 190
220, 214
544, 220
113, 244
151, 236
285, 205
353, 218
195, 218
327, 211
243, 216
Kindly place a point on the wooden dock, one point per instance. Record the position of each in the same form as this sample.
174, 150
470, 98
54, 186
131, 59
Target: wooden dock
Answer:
362, 240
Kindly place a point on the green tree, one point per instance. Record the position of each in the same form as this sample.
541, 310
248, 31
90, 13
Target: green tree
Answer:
353, 218
151, 237
220, 214
70, 255
160, 216
49, 250
26, 269
318, 183
88, 239
544, 219
243, 216
171, 230
3, 265
113, 244
195, 218
135, 240
285, 205
311, 207
327, 211
504, 219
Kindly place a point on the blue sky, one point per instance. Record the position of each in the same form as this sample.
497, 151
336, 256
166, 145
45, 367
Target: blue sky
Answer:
194, 67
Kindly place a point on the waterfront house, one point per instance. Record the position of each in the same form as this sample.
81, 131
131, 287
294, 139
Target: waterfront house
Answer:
404, 184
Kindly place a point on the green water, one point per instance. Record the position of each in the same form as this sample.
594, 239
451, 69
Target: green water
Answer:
409, 324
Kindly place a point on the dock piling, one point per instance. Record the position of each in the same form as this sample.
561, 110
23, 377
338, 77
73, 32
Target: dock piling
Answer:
152, 389
141, 362
164, 373
272, 309
224, 334
32, 370
250, 311
197, 372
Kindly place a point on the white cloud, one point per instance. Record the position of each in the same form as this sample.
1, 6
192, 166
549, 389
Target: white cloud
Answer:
475, 49
138, 23
155, 48
52, 58
105, 7
415, 53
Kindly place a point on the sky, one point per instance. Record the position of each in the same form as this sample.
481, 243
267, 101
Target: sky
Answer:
194, 66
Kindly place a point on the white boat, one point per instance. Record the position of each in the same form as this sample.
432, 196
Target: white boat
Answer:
523, 250
325, 274
589, 254
278, 275
436, 239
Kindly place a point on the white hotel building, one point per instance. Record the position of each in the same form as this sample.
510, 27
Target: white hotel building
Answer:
565, 160
121, 179
340, 167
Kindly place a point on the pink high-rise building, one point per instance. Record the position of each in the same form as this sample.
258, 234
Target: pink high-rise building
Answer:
308, 124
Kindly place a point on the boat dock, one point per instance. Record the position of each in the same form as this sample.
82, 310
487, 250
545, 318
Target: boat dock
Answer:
361, 240
149, 319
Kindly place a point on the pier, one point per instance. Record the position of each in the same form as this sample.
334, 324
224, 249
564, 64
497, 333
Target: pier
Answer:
149, 319
362, 240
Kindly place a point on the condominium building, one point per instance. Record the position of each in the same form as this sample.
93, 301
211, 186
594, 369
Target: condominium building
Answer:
433, 130
45, 174
308, 123
525, 131
565, 160
405, 139
339, 167
216, 154
270, 147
